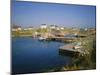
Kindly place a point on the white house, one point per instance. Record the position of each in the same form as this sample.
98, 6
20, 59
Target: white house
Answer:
30, 28
19, 28
85, 29
16, 28
43, 26
58, 28
25, 29
62, 28
53, 27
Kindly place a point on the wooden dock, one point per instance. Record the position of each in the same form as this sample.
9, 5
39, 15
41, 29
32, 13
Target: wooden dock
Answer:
70, 49
63, 39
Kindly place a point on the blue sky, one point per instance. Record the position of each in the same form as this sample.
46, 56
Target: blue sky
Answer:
68, 15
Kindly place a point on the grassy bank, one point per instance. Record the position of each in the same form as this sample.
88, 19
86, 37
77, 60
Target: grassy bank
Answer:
86, 62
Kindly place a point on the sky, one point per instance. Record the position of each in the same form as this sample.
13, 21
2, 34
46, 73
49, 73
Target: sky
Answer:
34, 14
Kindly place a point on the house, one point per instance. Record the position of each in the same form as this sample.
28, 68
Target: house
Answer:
85, 29
58, 28
19, 28
25, 29
62, 28
43, 26
53, 26
16, 28
28, 28
13, 29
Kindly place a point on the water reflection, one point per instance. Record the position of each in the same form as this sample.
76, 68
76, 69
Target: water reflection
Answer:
67, 53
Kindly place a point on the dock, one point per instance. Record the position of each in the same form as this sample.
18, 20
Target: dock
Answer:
63, 39
70, 49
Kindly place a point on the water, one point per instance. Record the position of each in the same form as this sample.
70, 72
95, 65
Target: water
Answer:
33, 56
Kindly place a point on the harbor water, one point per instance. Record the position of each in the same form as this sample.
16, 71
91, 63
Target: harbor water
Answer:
30, 55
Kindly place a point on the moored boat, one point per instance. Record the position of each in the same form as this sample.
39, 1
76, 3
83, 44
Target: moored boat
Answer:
42, 38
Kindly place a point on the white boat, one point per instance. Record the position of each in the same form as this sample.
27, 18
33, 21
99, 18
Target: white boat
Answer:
42, 38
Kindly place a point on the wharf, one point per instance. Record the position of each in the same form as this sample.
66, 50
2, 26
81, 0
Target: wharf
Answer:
63, 39
71, 49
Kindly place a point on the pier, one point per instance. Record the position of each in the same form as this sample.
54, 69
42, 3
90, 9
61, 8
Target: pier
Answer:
63, 39
71, 49
68, 48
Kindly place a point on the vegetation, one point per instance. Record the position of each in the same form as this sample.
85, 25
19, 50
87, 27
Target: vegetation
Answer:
88, 61
85, 62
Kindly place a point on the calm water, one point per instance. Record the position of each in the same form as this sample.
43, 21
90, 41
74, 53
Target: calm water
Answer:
32, 56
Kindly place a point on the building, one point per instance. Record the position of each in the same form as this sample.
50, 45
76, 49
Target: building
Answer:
58, 28
16, 28
53, 26
28, 28
43, 26
62, 28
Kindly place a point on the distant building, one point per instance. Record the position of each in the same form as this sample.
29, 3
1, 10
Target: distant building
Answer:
53, 27
16, 28
19, 28
85, 29
25, 29
43, 26
28, 28
58, 28
62, 28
